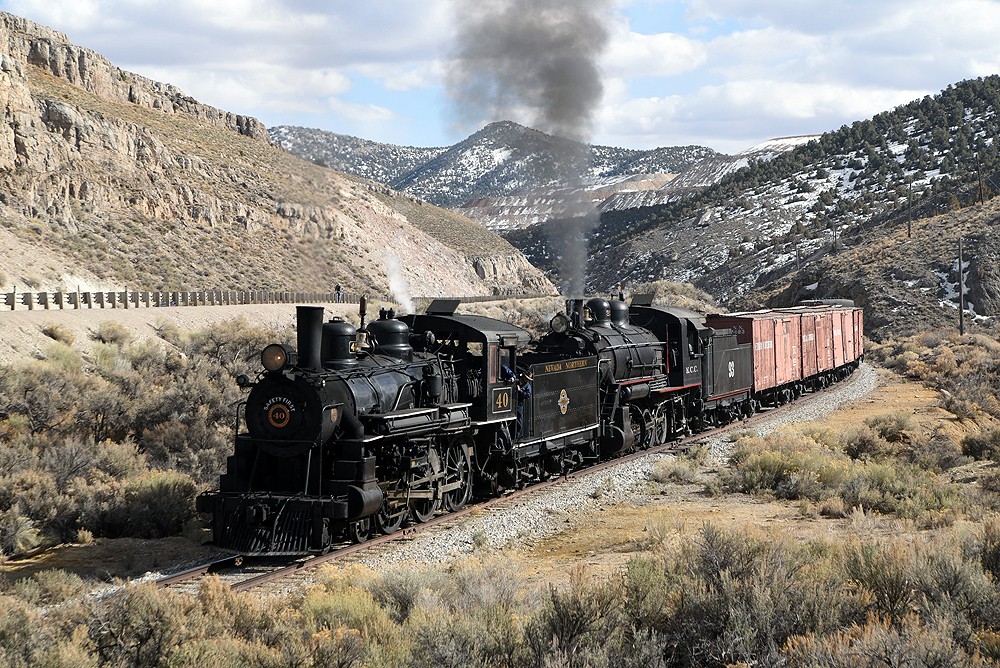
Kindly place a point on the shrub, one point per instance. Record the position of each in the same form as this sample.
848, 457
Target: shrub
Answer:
885, 573
119, 460
68, 459
351, 607
143, 626
477, 583
109, 331
49, 587
908, 643
19, 630
960, 408
866, 444
168, 331
399, 591
197, 448
891, 425
675, 470
17, 532
984, 445
64, 357
937, 452
578, 626
58, 333
152, 505
989, 547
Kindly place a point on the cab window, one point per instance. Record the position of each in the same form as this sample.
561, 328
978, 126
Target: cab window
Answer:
506, 360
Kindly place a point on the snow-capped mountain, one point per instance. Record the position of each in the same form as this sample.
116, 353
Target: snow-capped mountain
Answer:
500, 160
383, 163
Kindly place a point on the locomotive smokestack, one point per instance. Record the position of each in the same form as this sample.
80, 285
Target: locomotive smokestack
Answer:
310, 336
535, 61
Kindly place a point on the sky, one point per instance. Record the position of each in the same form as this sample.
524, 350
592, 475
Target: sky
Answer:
726, 74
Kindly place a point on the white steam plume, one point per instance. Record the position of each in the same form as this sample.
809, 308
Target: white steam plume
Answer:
397, 283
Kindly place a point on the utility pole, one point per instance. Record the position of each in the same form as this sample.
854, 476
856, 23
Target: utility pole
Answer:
961, 292
909, 210
982, 189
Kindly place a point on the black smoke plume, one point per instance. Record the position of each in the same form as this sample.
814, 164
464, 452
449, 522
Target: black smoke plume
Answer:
535, 61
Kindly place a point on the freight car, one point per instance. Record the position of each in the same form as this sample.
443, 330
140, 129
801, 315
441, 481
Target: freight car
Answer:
357, 430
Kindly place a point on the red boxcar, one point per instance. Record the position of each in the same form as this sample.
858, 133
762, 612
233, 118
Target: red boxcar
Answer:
793, 344
776, 339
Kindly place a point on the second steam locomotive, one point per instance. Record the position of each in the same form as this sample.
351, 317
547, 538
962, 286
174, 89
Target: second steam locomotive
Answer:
354, 431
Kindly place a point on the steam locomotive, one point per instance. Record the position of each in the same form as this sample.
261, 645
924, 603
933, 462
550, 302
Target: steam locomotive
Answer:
361, 430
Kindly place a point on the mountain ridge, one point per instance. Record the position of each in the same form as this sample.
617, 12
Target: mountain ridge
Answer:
501, 159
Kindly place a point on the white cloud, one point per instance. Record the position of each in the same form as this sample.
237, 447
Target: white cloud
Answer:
631, 54
68, 16
258, 85
405, 76
746, 112
369, 113
732, 73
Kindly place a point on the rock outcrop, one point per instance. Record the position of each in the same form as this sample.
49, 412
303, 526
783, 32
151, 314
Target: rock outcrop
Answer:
141, 184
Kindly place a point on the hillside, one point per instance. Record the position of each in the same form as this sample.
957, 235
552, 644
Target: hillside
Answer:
110, 179
746, 234
502, 159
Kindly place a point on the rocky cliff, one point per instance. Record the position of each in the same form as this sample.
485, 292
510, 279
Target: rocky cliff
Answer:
108, 177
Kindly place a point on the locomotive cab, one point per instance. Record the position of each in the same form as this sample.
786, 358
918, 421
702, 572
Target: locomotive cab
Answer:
481, 352
682, 330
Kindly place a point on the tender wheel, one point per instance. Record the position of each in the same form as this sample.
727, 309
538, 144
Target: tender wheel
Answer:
360, 530
457, 469
390, 517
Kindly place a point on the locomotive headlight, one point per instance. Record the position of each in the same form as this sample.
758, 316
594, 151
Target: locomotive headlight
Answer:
277, 356
560, 323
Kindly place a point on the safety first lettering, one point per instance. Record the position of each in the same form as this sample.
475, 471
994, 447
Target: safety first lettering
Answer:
279, 411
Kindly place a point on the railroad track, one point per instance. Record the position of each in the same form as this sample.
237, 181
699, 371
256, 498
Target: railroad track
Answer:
244, 573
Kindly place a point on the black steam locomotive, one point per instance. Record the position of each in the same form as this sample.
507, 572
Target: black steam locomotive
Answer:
355, 431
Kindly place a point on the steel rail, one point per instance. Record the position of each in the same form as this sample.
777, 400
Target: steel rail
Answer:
212, 567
